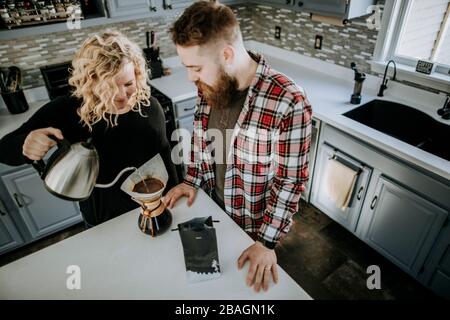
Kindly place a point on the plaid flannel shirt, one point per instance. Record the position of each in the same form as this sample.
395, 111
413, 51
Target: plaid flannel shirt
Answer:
267, 166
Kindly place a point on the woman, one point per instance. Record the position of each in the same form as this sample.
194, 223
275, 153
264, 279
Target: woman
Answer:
111, 103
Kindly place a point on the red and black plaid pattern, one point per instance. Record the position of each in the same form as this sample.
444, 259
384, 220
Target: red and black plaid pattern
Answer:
267, 166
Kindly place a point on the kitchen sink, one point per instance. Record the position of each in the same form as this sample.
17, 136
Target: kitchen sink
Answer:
405, 123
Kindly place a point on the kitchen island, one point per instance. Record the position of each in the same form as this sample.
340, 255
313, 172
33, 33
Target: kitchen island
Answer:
117, 261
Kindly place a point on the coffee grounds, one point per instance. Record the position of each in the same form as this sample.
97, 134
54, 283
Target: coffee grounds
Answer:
149, 185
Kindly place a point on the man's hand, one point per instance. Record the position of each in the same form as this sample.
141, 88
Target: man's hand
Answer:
263, 264
178, 191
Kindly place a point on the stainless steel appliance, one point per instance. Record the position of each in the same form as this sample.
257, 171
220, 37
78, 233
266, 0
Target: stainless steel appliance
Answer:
316, 123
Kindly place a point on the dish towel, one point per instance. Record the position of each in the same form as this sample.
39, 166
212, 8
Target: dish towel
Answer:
339, 183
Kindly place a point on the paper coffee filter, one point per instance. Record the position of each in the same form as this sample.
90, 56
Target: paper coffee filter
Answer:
154, 168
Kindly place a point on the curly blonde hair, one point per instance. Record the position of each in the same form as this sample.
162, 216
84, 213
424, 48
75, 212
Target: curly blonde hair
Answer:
99, 59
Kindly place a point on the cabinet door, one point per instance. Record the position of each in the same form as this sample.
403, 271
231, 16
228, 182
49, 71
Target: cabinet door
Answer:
121, 8
184, 108
10, 237
436, 272
329, 7
42, 212
176, 4
319, 197
401, 224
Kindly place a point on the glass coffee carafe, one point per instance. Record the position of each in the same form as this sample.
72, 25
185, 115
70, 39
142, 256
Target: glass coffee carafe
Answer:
145, 186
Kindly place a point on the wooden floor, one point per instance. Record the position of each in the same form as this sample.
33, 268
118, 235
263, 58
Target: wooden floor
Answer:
324, 258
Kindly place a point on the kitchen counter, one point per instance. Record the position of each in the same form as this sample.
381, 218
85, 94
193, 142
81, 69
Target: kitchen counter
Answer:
118, 261
328, 87
10, 122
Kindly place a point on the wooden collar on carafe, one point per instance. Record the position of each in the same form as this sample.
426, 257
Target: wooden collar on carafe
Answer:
152, 208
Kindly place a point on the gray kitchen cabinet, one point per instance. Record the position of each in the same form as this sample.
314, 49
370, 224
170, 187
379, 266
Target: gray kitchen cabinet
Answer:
181, 4
347, 217
186, 123
400, 223
344, 9
405, 211
287, 4
176, 4
185, 108
10, 237
436, 271
122, 8
41, 212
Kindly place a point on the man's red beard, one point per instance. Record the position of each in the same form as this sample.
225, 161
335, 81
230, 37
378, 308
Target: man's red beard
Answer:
221, 94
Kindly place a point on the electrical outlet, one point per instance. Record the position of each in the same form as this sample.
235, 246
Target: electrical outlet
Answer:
277, 32
318, 42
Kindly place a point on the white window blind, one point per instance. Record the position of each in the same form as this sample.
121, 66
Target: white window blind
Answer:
425, 34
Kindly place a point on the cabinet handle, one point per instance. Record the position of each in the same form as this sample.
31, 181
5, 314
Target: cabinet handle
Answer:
358, 196
106, 6
167, 4
16, 197
152, 6
189, 109
374, 201
2, 208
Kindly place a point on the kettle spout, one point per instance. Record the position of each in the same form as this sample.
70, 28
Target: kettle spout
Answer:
117, 178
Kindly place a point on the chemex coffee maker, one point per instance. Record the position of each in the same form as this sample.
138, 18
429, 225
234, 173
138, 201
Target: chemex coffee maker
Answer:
145, 186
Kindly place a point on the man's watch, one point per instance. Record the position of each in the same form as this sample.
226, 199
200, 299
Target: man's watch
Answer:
268, 244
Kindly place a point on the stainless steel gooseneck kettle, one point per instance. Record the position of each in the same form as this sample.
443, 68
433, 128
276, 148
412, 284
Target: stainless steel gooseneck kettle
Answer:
71, 171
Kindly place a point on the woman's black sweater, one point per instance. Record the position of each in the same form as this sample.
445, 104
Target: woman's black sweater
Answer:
134, 141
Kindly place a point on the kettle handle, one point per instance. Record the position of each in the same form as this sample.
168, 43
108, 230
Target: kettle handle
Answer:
42, 167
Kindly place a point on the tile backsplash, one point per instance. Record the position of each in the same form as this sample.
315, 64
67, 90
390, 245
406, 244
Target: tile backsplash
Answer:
340, 45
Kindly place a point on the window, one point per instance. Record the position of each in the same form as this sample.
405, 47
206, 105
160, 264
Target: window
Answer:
415, 30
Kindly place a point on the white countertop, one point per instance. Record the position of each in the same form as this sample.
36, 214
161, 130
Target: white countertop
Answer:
10, 122
118, 261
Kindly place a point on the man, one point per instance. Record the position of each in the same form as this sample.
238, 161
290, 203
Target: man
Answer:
270, 117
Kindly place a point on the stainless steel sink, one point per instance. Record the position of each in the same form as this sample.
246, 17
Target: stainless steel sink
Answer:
405, 123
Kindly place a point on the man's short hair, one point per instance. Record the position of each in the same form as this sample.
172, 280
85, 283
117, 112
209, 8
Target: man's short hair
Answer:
205, 22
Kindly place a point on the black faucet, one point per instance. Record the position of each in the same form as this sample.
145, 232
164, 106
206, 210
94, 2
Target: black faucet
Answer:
385, 81
444, 112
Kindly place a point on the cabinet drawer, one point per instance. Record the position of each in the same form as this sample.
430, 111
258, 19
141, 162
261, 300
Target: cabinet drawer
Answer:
440, 284
185, 108
41, 212
444, 264
9, 235
349, 216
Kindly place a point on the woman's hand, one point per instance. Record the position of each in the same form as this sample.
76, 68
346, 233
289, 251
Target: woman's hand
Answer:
37, 143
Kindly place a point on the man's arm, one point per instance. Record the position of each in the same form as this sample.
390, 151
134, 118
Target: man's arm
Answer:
291, 172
